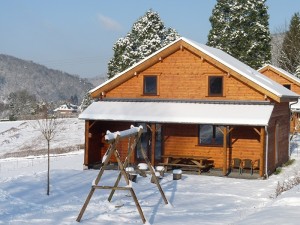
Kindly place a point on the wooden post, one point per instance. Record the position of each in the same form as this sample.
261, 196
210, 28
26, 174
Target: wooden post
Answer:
110, 151
86, 143
153, 143
225, 168
263, 151
153, 175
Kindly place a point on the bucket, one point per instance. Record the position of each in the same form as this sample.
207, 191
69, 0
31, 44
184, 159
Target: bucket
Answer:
161, 170
132, 177
177, 174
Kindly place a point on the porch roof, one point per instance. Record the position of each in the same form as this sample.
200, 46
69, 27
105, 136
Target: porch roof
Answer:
180, 112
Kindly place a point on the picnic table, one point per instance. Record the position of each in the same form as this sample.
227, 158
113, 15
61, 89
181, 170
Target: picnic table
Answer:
186, 161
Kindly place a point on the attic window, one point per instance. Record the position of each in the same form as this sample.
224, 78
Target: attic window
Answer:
150, 85
288, 86
215, 86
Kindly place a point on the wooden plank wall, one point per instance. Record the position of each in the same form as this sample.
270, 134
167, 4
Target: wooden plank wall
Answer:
280, 116
95, 142
184, 75
183, 140
282, 80
246, 143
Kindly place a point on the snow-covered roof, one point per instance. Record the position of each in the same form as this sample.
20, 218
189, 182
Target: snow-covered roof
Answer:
282, 71
225, 59
180, 112
66, 107
244, 70
295, 107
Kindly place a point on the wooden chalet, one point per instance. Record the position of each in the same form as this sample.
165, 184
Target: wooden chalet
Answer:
292, 83
193, 100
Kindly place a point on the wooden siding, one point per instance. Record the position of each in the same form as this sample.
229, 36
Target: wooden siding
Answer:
96, 146
246, 143
295, 87
280, 116
184, 75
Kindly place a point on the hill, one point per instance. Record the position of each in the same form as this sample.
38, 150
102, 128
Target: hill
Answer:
46, 84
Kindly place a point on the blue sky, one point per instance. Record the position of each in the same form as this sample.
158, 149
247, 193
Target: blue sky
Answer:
77, 36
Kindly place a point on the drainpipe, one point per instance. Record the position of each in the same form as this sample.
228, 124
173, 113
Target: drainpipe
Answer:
267, 152
290, 127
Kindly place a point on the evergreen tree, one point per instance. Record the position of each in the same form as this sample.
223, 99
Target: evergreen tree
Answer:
86, 101
289, 58
241, 28
148, 34
298, 71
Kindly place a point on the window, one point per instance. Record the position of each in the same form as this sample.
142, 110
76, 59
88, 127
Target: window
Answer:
210, 135
288, 86
150, 85
215, 86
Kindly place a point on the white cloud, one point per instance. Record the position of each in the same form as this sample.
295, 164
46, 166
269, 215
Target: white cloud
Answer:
109, 23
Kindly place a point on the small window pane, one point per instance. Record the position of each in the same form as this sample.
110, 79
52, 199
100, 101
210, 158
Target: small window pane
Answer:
210, 135
206, 134
215, 85
219, 136
150, 85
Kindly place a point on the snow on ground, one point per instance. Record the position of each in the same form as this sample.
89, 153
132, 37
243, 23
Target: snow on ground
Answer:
192, 200
23, 136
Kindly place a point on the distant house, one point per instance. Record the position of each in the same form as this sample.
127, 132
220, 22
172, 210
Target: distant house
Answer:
292, 83
193, 100
66, 109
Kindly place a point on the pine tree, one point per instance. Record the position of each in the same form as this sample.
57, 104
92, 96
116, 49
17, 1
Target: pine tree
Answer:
289, 58
86, 101
298, 71
148, 34
241, 28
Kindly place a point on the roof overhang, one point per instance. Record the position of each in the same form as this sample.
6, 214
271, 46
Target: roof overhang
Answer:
220, 59
180, 112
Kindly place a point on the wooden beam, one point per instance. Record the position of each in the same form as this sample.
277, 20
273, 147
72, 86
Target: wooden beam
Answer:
225, 169
86, 143
153, 143
257, 131
92, 124
263, 151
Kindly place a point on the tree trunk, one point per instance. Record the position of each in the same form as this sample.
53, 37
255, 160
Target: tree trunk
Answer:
48, 177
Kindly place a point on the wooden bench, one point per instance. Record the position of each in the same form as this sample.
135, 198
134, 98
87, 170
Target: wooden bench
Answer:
187, 162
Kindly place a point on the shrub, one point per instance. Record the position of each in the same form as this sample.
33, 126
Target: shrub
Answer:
289, 162
286, 185
278, 170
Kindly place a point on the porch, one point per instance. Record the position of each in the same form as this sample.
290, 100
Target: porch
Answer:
218, 131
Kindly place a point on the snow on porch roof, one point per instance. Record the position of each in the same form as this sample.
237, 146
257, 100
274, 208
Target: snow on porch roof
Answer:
180, 112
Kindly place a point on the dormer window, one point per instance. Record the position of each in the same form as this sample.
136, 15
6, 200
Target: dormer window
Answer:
215, 86
150, 85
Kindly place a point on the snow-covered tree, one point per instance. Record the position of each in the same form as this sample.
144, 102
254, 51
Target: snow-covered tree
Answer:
148, 34
289, 58
87, 100
298, 71
241, 28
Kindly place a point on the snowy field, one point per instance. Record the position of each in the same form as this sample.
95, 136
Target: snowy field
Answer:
194, 199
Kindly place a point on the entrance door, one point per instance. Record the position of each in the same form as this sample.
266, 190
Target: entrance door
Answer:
151, 145
145, 142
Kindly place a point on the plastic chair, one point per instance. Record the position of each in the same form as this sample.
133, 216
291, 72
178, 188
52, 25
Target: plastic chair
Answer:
256, 165
248, 165
237, 164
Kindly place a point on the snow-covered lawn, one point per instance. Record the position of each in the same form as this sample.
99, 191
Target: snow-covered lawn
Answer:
195, 199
